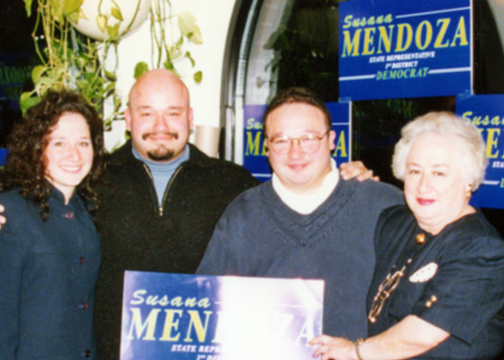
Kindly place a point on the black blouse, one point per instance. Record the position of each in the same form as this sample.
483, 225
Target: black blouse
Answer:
453, 280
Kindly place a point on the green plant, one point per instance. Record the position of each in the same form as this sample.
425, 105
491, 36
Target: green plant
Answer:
164, 44
70, 60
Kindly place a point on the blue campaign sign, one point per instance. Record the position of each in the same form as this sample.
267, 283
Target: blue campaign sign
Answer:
255, 158
254, 153
487, 113
3, 156
399, 49
193, 317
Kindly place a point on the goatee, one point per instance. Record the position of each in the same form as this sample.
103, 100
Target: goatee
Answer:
161, 154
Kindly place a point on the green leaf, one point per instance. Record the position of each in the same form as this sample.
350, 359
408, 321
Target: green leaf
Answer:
198, 76
175, 53
117, 103
26, 101
186, 21
37, 72
188, 55
113, 31
110, 76
57, 10
72, 6
140, 69
101, 21
28, 5
107, 125
168, 65
116, 12
110, 86
109, 90
74, 17
82, 15
188, 27
91, 77
196, 37
82, 61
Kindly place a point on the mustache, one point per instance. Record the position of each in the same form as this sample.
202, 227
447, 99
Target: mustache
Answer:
166, 133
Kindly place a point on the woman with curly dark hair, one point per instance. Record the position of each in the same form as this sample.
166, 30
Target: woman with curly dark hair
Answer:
50, 250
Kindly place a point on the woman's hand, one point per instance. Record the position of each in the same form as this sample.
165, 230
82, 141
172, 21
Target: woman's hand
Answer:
408, 338
334, 348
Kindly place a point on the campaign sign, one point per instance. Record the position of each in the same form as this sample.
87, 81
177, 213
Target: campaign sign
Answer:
487, 113
3, 156
192, 317
254, 152
399, 49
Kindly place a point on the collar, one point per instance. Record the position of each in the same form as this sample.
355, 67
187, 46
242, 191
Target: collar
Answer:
306, 204
56, 198
163, 168
124, 155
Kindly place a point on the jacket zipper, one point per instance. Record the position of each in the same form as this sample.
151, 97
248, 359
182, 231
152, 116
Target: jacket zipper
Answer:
165, 194
167, 190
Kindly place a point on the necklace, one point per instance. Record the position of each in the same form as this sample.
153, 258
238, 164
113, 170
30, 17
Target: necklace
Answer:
391, 282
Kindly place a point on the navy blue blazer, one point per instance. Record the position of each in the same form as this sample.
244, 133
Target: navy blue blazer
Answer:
48, 275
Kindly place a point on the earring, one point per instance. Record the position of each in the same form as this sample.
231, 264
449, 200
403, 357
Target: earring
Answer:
468, 192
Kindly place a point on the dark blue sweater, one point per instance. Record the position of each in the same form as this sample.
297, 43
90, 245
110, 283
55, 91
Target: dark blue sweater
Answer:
259, 235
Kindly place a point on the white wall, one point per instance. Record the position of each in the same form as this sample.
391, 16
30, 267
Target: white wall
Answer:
213, 17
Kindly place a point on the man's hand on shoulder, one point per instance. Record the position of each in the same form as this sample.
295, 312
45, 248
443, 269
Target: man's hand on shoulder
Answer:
356, 169
3, 220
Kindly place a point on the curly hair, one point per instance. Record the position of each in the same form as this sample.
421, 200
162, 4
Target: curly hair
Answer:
26, 163
472, 160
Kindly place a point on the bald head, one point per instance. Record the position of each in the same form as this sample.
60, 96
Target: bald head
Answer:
160, 80
159, 117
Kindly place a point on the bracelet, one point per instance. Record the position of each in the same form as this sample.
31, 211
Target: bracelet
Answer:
357, 345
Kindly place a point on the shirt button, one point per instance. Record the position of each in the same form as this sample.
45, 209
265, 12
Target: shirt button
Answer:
84, 306
420, 239
82, 260
69, 215
86, 354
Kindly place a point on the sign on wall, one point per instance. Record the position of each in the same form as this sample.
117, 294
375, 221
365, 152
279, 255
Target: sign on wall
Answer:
255, 152
399, 49
487, 113
191, 317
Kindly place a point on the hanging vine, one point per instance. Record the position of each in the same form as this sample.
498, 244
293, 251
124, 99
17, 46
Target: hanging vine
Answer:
71, 60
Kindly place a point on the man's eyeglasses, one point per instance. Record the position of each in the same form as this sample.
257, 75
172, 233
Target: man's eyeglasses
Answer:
309, 143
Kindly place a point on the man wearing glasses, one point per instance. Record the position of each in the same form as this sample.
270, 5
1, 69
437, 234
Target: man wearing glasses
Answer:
307, 221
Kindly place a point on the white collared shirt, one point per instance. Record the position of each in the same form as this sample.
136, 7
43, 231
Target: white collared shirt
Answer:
306, 204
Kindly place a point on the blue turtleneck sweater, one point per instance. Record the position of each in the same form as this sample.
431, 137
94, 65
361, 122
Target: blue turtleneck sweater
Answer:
162, 172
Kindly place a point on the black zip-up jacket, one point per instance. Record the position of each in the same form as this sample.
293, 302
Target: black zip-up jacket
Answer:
138, 234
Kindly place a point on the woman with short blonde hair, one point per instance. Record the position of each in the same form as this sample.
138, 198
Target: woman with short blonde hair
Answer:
438, 285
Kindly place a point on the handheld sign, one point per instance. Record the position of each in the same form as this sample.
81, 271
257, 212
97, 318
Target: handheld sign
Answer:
173, 316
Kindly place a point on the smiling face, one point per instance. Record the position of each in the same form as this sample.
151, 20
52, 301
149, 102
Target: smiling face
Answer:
69, 153
159, 117
300, 172
434, 187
